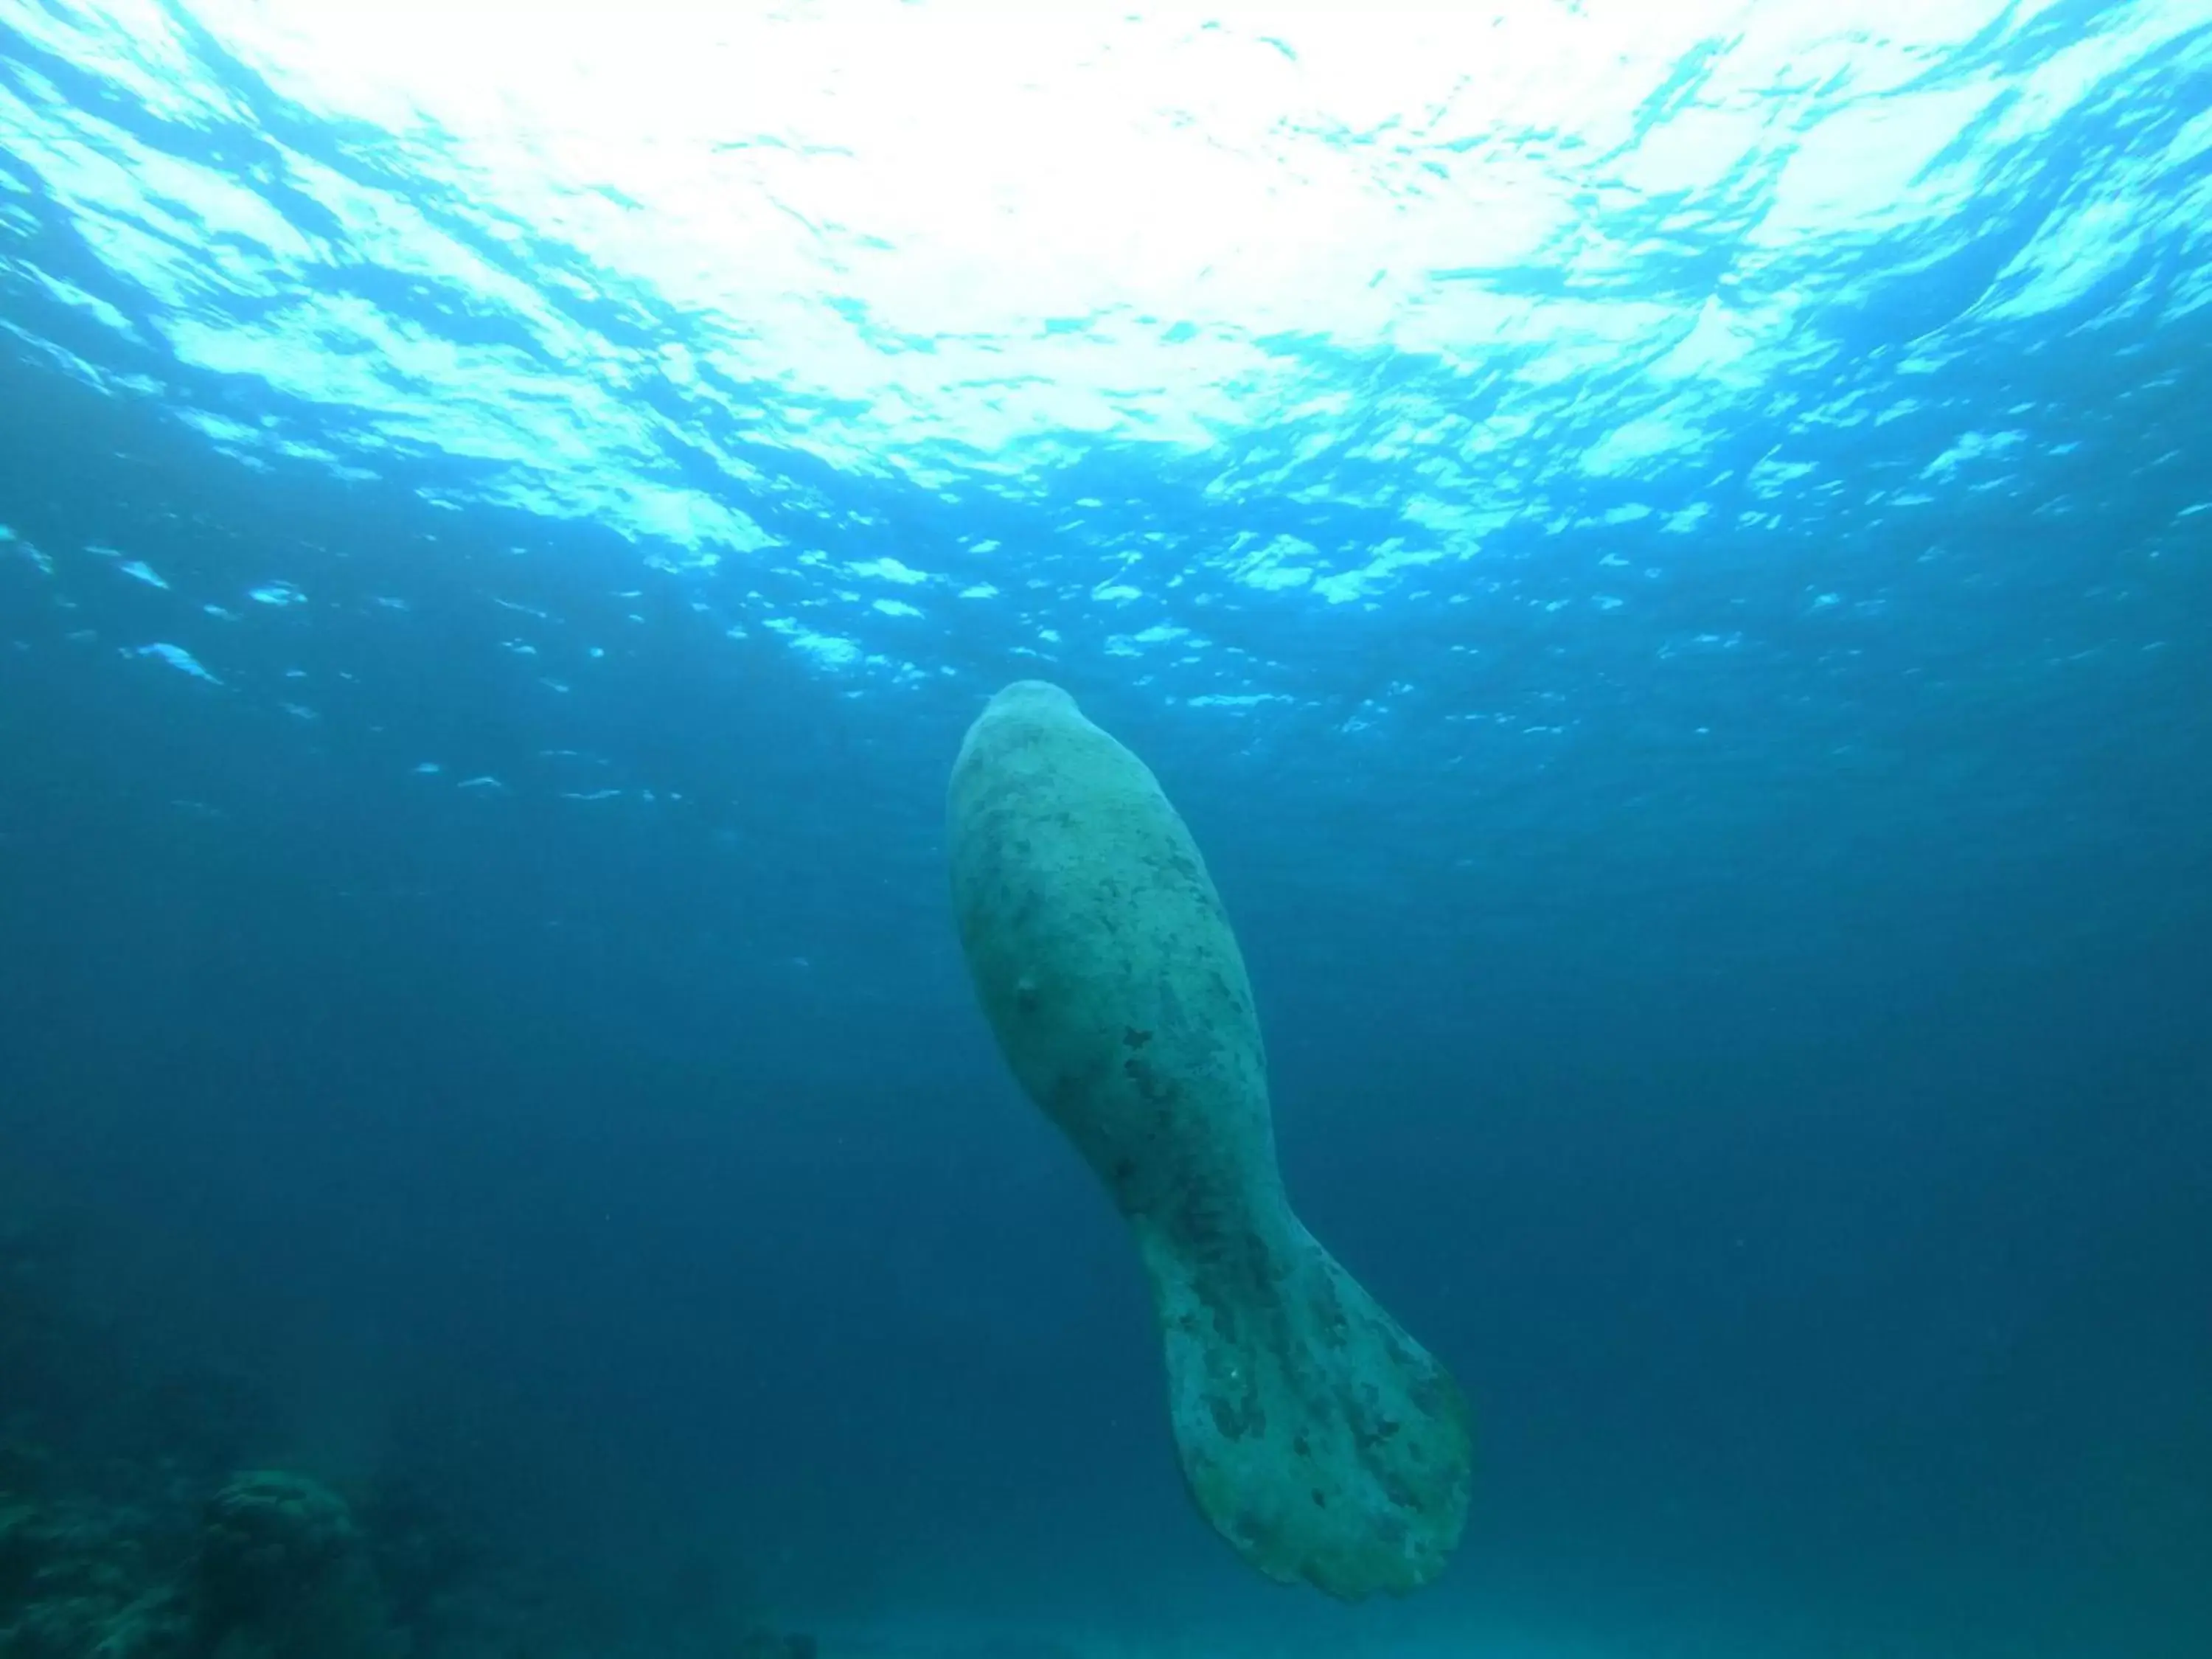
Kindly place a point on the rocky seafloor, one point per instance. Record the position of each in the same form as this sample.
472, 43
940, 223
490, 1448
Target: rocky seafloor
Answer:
141, 1518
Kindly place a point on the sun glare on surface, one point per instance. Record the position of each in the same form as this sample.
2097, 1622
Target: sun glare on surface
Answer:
912, 201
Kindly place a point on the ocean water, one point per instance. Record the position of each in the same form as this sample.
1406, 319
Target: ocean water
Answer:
1664, 554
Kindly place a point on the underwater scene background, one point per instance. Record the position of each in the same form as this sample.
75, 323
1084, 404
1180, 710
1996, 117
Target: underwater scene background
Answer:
1664, 554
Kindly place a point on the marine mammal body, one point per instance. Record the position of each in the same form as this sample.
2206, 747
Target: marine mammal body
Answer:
1317, 1437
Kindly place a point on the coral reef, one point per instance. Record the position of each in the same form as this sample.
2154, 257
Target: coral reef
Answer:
130, 1530
282, 1569
79, 1578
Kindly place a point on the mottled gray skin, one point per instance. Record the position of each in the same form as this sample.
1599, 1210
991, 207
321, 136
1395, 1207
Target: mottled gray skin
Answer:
1317, 1436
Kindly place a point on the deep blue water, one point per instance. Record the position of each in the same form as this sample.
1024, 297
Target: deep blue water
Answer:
1703, 722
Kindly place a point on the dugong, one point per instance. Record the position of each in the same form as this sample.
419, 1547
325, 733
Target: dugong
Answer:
1321, 1440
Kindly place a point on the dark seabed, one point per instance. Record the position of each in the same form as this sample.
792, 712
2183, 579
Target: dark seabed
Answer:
1667, 563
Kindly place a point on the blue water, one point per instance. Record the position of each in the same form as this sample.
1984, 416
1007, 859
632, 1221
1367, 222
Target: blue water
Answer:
1666, 560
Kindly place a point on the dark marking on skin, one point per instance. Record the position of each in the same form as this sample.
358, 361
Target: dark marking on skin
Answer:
1151, 1087
1135, 1038
1234, 1421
